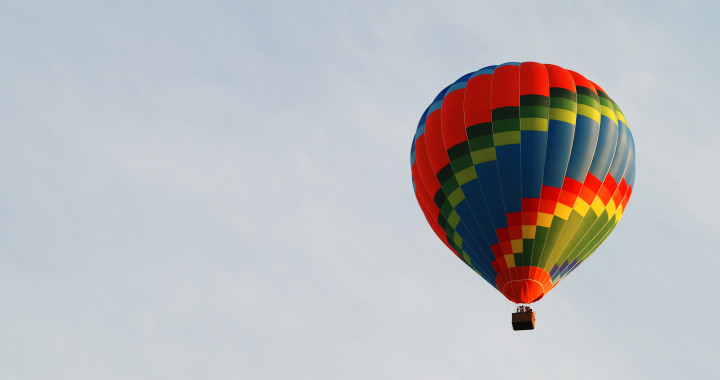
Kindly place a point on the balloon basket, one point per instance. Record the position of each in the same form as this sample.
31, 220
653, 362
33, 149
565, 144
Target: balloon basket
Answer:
523, 319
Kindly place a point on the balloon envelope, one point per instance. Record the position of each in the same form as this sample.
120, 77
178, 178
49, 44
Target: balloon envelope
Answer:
522, 170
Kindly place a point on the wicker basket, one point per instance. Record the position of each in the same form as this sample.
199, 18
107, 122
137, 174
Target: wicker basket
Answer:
523, 320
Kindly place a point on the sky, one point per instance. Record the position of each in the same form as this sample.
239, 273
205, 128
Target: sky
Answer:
221, 189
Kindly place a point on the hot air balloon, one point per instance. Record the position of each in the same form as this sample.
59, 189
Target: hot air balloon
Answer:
523, 170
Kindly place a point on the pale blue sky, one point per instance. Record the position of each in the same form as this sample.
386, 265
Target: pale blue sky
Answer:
221, 189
